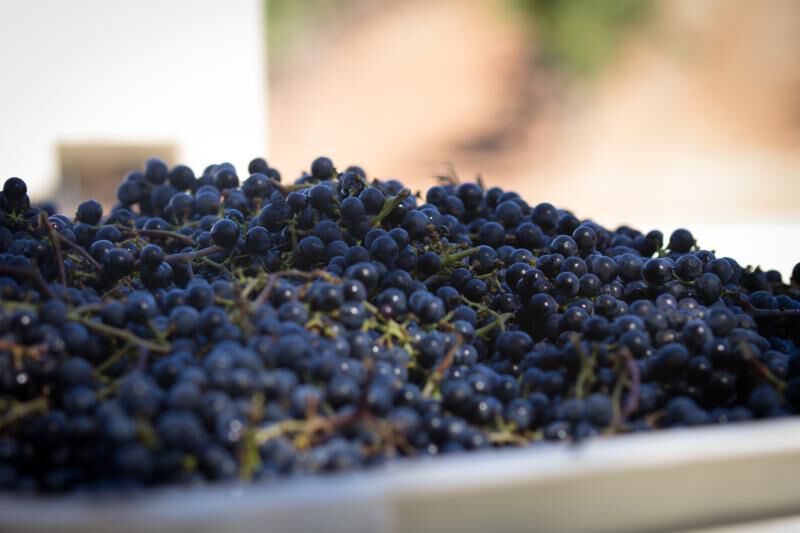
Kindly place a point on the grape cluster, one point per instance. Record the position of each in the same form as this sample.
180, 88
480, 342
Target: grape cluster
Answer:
215, 328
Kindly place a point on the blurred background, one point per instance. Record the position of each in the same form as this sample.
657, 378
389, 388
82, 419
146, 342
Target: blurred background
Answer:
655, 113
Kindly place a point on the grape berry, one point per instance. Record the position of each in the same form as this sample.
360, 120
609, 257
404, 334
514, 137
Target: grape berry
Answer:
213, 328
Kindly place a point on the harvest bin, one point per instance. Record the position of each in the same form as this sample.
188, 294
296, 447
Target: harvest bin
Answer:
670, 480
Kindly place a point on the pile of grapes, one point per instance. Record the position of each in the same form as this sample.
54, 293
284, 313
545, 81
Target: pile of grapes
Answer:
216, 328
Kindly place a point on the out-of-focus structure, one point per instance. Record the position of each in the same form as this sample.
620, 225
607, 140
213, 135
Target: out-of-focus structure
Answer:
600, 106
90, 88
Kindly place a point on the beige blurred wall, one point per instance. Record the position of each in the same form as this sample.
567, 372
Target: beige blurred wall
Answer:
699, 117
699, 114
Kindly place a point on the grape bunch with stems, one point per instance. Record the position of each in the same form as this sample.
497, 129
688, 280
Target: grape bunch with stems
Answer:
218, 327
